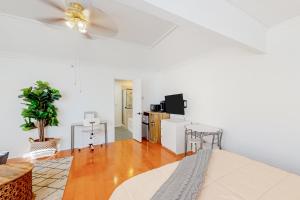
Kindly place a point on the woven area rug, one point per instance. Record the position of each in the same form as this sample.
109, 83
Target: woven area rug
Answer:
49, 178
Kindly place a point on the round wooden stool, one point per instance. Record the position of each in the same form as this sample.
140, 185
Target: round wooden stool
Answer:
16, 181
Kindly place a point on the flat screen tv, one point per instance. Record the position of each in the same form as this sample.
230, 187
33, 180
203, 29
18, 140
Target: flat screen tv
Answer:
175, 104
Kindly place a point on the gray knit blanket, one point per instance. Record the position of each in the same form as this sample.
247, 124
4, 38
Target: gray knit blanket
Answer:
186, 181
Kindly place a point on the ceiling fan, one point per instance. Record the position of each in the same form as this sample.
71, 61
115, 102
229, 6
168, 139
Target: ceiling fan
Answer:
77, 15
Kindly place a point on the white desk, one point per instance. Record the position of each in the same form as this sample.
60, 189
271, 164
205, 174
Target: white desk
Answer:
80, 124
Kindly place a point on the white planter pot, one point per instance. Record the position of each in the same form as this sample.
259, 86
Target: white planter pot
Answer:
50, 143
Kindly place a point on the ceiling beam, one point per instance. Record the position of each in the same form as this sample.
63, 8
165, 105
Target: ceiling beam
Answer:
216, 15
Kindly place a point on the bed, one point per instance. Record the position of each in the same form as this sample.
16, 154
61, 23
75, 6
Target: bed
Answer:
229, 177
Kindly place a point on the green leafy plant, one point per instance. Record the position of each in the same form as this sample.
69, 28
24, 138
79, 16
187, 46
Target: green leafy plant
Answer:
40, 110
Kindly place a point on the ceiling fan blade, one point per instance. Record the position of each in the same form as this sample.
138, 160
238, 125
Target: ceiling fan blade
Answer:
88, 36
52, 20
102, 30
53, 5
96, 14
101, 23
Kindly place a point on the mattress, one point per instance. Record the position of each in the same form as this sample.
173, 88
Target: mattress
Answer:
229, 177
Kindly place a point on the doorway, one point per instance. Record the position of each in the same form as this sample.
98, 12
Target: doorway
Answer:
123, 110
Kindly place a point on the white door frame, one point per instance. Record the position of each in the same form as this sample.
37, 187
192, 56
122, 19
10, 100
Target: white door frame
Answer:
135, 137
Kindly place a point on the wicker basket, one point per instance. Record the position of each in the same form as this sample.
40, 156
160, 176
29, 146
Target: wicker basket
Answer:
3, 157
50, 143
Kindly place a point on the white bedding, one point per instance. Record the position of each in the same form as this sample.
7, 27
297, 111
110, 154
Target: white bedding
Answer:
229, 177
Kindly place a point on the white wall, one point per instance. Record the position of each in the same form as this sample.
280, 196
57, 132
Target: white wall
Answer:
254, 98
150, 92
93, 91
31, 51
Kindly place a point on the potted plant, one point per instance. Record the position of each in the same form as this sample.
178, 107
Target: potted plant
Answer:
40, 112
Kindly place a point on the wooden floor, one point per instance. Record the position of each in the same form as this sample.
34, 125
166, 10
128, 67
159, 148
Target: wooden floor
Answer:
95, 175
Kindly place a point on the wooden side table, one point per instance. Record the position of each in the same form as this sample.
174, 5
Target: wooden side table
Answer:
16, 181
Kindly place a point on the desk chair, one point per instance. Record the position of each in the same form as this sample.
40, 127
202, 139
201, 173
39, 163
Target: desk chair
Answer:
91, 124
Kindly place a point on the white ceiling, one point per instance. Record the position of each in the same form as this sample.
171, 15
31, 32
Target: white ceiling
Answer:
188, 43
23, 37
133, 25
34, 39
269, 12
26, 36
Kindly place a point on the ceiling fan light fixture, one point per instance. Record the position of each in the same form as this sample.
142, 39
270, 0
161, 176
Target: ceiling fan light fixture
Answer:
84, 3
82, 27
80, 16
77, 17
82, 30
70, 24
86, 13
